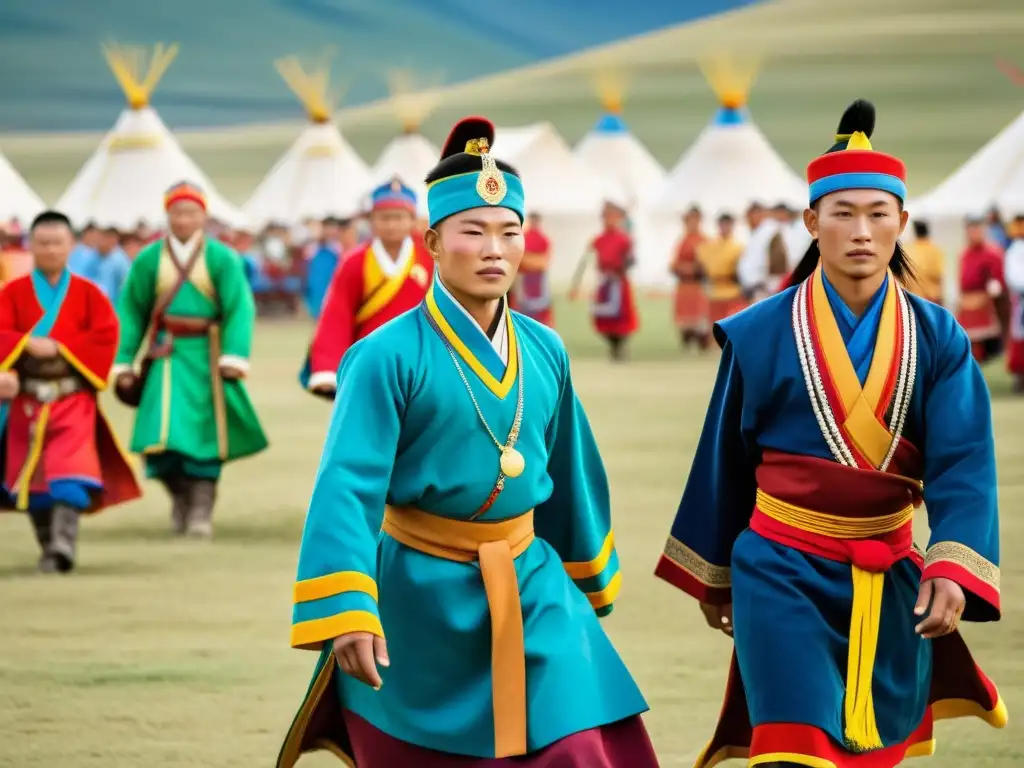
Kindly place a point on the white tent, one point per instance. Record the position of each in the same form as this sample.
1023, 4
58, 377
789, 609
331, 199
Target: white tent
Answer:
992, 177
123, 182
17, 200
729, 166
410, 156
559, 186
614, 152
320, 175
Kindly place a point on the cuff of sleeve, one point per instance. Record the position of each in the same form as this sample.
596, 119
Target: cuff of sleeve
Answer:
684, 569
308, 590
973, 573
323, 379
602, 599
311, 635
120, 368
235, 362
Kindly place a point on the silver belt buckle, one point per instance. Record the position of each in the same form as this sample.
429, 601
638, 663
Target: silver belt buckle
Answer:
47, 392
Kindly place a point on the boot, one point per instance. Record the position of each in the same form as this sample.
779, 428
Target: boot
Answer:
42, 524
178, 488
64, 536
203, 495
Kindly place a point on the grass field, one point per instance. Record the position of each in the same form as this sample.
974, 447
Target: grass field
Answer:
169, 654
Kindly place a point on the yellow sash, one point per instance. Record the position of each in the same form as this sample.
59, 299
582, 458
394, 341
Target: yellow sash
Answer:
495, 545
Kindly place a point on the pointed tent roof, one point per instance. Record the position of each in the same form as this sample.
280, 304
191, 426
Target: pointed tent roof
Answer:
320, 175
124, 181
614, 152
17, 200
410, 156
555, 180
992, 176
731, 164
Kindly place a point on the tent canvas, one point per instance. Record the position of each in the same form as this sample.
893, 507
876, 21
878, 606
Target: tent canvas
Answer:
559, 186
612, 150
123, 183
17, 199
728, 167
320, 175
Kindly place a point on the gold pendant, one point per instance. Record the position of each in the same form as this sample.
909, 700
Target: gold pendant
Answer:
512, 462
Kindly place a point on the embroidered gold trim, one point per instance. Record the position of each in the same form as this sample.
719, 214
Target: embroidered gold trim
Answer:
706, 573
966, 558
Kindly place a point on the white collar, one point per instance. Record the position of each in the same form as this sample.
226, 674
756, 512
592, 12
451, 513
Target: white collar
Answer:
391, 267
500, 338
182, 252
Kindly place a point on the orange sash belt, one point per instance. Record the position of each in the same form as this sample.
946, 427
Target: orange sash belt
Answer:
495, 545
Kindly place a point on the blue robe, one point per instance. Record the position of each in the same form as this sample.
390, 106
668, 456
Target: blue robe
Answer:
318, 277
404, 432
792, 609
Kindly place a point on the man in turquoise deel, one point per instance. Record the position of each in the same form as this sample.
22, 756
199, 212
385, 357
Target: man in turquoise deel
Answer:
461, 511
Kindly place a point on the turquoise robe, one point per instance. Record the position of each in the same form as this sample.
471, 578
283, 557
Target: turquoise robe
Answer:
404, 432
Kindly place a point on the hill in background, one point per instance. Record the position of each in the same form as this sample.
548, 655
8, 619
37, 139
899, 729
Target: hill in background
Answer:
929, 65
53, 78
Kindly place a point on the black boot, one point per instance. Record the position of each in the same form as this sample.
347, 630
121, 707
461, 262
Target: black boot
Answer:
202, 497
178, 488
42, 524
64, 536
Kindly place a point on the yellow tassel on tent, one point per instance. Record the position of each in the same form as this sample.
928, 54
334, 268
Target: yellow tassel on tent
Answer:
859, 707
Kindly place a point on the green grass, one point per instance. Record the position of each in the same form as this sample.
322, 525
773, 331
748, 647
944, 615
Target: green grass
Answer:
170, 654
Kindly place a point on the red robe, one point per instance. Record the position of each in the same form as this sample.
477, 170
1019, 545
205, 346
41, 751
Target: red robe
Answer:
613, 308
77, 442
359, 300
981, 283
531, 293
691, 307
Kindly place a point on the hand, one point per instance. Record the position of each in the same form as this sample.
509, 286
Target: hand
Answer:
718, 616
9, 385
574, 295
947, 603
125, 380
41, 347
232, 373
325, 390
358, 654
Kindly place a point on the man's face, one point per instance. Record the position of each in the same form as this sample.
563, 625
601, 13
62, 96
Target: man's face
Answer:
108, 240
478, 251
51, 244
975, 233
185, 218
392, 225
726, 228
857, 230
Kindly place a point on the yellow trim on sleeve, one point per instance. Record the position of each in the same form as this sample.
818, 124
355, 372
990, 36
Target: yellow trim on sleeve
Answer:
595, 566
333, 584
605, 597
311, 635
11, 359
98, 383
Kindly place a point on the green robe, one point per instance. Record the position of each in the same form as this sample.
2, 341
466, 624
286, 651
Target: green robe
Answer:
186, 409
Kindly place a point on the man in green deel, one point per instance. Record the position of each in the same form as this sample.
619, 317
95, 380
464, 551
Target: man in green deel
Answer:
187, 306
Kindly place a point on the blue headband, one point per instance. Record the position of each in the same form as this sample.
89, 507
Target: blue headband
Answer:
455, 194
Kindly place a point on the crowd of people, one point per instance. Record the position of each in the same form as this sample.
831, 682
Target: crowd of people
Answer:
458, 544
